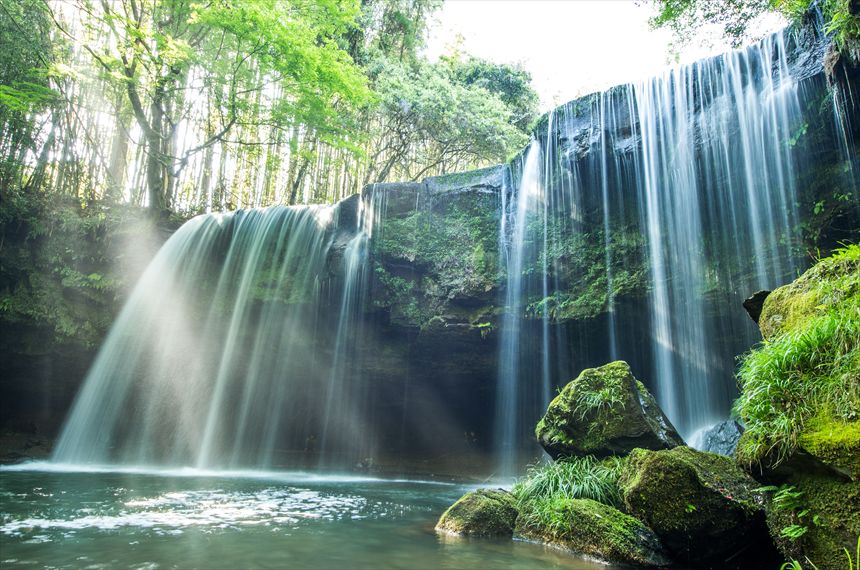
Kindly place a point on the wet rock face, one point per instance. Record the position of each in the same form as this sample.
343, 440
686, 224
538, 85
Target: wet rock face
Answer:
435, 252
754, 304
605, 411
485, 512
721, 438
596, 530
701, 505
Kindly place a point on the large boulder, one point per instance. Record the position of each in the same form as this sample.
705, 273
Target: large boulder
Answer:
484, 512
605, 411
703, 507
591, 528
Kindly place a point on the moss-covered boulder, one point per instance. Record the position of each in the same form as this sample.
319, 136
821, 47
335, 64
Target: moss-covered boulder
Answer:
591, 528
702, 506
484, 512
605, 411
834, 281
816, 518
800, 390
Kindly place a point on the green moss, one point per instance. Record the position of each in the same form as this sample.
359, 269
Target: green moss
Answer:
699, 503
57, 270
826, 510
433, 253
695, 470
601, 413
595, 392
832, 282
484, 512
591, 528
576, 261
803, 383
835, 442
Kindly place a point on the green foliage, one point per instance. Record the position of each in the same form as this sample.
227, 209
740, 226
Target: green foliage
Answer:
788, 499
577, 262
302, 53
571, 478
511, 84
815, 520
843, 21
26, 62
687, 17
807, 372
437, 114
57, 268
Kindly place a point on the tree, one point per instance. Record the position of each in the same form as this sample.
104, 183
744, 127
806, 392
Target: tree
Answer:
685, 17
512, 85
445, 114
161, 51
195, 106
26, 59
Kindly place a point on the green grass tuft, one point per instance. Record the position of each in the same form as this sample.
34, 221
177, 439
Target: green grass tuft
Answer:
571, 478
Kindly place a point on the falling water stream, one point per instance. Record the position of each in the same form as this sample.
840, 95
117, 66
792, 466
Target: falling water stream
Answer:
703, 161
218, 357
244, 343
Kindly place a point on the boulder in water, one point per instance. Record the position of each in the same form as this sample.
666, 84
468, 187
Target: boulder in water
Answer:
594, 529
703, 506
605, 411
484, 512
721, 438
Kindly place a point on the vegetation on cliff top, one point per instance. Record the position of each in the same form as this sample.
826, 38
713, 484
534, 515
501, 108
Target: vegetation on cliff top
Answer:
187, 106
737, 18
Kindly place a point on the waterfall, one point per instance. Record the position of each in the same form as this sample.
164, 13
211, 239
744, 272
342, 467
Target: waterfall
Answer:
715, 159
631, 227
526, 201
702, 163
223, 356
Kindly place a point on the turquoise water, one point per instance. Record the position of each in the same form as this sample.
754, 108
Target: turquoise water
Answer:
189, 519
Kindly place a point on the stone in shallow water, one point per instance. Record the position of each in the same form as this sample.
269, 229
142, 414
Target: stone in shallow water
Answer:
594, 529
605, 411
484, 512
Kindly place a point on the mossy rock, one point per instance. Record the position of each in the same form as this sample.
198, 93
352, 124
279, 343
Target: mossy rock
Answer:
702, 506
484, 512
789, 306
827, 515
605, 411
800, 389
591, 528
834, 443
